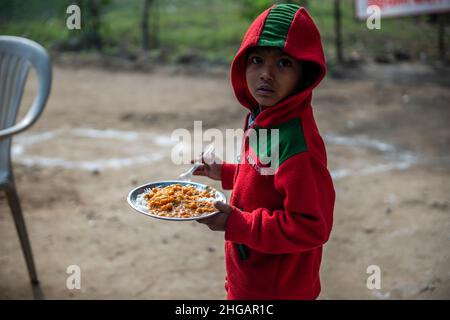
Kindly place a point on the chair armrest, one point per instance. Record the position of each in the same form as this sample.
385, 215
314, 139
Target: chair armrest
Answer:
30, 118
44, 75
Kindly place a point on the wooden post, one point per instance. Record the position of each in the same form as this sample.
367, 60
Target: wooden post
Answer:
93, 36
441, 36
144, 25
337, 31
155, 24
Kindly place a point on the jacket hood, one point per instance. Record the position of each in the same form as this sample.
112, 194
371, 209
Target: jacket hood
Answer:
291, 28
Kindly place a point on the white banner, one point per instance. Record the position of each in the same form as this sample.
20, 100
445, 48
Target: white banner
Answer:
397, 8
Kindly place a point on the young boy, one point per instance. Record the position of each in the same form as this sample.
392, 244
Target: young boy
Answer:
277, 223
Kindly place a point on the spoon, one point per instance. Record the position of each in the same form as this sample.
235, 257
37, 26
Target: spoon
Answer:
186, 176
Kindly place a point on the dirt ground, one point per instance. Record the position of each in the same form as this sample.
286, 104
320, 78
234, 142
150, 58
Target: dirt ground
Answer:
104, 132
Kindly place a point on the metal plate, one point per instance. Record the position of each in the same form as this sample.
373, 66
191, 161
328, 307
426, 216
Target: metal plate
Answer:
133, 195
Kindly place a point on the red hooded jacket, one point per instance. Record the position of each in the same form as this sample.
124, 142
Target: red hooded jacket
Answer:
280, 221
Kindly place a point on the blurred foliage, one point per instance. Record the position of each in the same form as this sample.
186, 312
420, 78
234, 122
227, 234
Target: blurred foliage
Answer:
250, 9
13, 10
211, 29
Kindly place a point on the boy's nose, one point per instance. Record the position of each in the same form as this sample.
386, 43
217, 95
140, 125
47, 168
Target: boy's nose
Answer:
266, 75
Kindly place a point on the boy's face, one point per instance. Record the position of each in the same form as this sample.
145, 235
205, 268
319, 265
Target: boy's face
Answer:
271, 75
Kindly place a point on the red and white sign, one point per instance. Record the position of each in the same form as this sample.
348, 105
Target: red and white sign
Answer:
397, 8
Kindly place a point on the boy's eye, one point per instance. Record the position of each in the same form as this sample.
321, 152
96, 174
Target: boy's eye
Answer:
285, 63
255, 60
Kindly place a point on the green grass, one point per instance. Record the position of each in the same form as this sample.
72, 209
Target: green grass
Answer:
212, 27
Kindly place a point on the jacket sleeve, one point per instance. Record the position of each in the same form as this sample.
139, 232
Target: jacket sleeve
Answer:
227, 172
306, 219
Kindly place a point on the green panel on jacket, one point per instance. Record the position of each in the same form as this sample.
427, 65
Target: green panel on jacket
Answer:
291, 141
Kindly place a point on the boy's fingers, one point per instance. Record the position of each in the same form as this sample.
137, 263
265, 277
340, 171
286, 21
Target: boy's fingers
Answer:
198, 159
223, 207
200, 171
205, 220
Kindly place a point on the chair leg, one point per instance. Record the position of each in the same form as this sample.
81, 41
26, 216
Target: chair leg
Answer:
14, 204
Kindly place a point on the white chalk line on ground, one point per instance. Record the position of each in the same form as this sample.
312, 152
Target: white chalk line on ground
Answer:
397, 159
21, 142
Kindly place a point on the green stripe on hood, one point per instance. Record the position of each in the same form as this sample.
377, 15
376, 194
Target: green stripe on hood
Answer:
277, 25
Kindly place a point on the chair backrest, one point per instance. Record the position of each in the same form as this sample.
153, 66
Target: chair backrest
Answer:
17, 55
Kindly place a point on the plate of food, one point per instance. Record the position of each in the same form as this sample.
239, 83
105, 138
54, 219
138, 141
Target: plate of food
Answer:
175, 200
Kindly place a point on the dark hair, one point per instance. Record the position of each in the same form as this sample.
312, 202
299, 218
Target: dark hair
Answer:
310, 73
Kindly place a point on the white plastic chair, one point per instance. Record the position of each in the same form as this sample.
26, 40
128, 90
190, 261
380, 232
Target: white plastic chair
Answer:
17, 55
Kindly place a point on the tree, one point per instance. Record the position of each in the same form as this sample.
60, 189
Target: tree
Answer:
441, 36
150, 33
337, 31
144, 25
91, 22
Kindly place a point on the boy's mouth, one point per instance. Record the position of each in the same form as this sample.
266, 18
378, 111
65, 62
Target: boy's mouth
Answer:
265, 90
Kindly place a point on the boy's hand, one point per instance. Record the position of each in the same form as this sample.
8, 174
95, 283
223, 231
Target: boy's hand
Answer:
218, 222
211, 170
